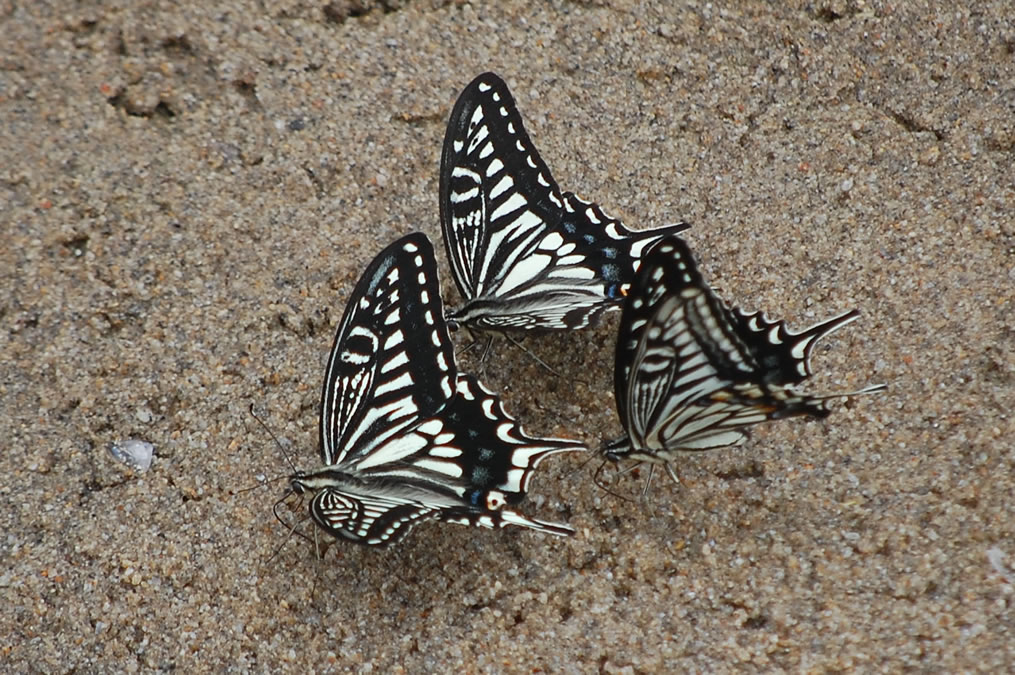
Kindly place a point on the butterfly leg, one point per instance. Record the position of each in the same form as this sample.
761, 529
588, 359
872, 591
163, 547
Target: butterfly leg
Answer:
672, 473
629, 469
648, 481
317, 545
604, 486
535, 358
292, 531
472, 345
486, 351
469, 347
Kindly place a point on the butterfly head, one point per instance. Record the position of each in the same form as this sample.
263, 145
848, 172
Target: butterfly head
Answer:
297, 483
617, 450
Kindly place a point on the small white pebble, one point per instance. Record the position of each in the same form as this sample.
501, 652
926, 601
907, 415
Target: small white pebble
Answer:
996, 558
134, 453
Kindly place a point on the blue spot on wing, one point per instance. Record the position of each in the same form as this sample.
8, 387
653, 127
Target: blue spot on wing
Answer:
480, 475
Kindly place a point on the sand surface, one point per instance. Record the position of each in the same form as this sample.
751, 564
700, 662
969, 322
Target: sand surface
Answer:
189, 191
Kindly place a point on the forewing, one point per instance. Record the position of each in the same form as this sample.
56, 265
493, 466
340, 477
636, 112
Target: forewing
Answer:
643, 368
524, 255
495, 190
679, 359
392, 362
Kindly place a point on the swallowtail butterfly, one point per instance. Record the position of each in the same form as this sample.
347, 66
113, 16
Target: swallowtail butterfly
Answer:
404, 436
525, 255
691, 373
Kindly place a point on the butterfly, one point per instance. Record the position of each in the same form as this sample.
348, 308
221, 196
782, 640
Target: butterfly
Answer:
525, 256
404, 436
691, 373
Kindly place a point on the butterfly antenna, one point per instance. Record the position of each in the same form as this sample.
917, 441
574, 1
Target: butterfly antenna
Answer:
535, 358
264, 426
261, 482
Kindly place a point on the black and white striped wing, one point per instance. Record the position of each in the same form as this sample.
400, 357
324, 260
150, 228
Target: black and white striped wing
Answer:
691, 373
404, 437
524, 254
393, 361
782, 355
467, 465
501, 459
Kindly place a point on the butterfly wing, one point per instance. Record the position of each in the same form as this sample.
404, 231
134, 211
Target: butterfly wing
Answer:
392, 362
497, 460
490, 171
691, 373
469, 464
782, 355
404, 437
524, 254
374, 518
666, 376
